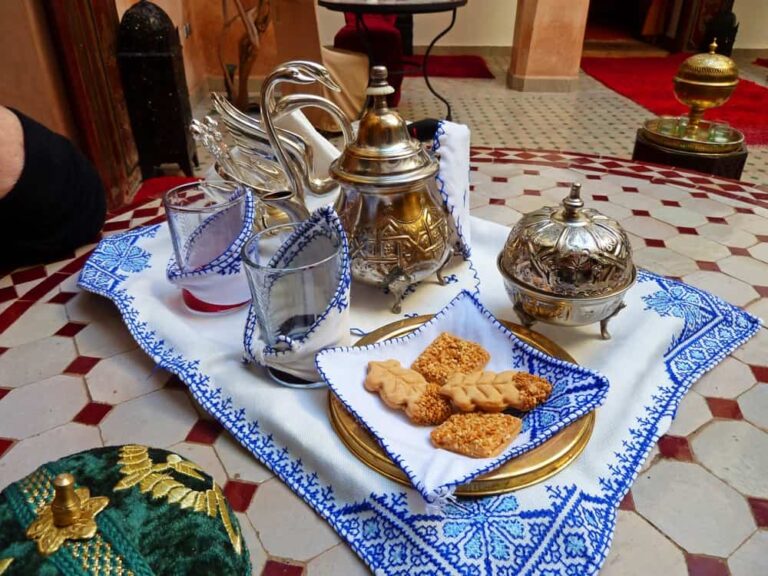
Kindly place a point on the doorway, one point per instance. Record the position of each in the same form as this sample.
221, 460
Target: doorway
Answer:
627, 28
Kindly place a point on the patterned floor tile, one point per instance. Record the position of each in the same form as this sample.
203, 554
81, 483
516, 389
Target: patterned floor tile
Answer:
239, 494
696, 248
287, 527
730, 289
727, 235
665, 261
748, 222
92, 413
639, 549
754, 405
338, 560
160, 419
759, 251
278, 568
251, 540
238, 462
736, 452
759, 508
35, 361
25, 456
40, 321
724, 408
727, 380
105, 338
64, 397
204, 432
671, 495
752, 353
81, 365
706, 566
675, 448
86, 307
124, 377
751, 559
745, 268
692, 413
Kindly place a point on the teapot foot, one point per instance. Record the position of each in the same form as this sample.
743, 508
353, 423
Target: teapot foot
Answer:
439, 271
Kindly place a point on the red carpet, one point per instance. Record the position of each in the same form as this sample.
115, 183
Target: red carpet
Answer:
448, 66
648, 82
761, 62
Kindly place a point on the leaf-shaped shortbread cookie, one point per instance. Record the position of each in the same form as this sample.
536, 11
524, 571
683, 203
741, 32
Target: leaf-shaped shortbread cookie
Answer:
494, 392
396, 385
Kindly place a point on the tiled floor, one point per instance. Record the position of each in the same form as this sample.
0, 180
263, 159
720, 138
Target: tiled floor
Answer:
591, 119
71, 378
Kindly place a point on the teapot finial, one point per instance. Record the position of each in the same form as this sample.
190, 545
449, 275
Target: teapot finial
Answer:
378, 82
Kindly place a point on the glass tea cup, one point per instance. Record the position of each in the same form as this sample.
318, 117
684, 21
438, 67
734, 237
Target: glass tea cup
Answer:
209, 222
295, 280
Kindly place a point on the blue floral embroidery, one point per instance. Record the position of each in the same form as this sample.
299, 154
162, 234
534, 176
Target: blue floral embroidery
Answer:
492, 535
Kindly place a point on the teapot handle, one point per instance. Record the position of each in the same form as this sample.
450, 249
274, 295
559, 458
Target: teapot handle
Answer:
291, 102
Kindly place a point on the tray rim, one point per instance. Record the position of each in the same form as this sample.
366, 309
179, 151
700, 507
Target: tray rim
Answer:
498, 481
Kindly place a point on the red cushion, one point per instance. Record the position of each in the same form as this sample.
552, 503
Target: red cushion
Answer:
378, 20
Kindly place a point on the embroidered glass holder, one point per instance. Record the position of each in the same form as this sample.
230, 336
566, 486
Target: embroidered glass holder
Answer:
299, 277
208, 232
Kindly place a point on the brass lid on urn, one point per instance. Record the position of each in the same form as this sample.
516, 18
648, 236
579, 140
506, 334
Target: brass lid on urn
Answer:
384, 153
569, 251
709, 68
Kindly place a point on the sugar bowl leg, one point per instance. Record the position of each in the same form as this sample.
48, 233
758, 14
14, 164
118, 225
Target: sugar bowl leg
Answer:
439, 272
525, 318
604, 322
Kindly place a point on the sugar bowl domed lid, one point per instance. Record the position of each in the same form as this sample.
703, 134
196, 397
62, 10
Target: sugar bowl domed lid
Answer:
569, 251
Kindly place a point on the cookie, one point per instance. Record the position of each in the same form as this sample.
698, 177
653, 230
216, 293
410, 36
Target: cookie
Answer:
397, 386
448, 354
495, 392
430, 408
475, 434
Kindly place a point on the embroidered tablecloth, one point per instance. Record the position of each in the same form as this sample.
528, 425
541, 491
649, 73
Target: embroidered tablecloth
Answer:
667, 337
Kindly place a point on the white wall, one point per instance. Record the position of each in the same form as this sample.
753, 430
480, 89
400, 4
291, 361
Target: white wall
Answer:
479, 23
753, 23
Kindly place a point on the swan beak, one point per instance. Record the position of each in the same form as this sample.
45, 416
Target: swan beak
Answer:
329, 82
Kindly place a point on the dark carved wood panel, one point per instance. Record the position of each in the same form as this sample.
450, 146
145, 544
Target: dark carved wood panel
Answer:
85, 32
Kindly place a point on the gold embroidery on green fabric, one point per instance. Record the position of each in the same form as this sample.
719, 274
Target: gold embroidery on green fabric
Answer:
5, 563
155, 479
50, 537
97, 557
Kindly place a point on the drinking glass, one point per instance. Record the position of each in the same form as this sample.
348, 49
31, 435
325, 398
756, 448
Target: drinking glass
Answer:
294, 275
209, 222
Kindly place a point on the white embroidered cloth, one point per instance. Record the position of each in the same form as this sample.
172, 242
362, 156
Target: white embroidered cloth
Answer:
312, 240
666, 338
435, 473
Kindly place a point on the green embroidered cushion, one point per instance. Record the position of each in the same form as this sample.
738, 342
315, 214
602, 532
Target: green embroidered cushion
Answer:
133, 511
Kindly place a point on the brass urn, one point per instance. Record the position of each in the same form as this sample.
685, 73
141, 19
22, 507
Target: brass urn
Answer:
705, 81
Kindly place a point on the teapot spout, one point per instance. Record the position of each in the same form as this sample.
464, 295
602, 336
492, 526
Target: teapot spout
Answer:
286, 201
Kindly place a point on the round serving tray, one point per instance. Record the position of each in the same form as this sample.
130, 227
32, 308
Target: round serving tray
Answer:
532, 467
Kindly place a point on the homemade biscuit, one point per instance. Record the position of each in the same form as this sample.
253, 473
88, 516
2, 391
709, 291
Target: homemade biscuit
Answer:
430, 408
495, 392
448, 354
397, 386
475, 434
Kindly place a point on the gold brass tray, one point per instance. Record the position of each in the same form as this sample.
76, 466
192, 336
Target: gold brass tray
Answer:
532, 467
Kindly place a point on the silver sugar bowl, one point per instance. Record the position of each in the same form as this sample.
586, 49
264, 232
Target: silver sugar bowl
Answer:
567, 265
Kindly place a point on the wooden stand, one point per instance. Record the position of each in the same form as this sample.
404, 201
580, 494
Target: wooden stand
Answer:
728, 165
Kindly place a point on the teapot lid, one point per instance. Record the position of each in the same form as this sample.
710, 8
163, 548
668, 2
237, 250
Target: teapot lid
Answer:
384, 153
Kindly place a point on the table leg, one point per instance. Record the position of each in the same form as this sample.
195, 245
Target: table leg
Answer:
425, 65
